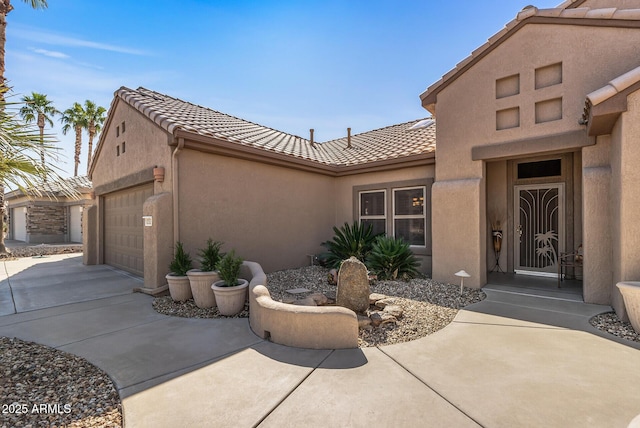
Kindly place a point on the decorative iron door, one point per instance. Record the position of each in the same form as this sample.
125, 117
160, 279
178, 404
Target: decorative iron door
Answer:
539, 228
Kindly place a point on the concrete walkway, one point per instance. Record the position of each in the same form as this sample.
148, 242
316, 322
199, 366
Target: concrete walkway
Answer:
510, 361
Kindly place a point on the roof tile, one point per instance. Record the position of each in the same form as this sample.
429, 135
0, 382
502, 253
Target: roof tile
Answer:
386, 143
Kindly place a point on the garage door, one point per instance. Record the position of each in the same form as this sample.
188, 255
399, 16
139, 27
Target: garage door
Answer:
19, 219
123, 230
75, 223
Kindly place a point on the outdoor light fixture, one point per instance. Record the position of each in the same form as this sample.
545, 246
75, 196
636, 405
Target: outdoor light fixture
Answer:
462, 275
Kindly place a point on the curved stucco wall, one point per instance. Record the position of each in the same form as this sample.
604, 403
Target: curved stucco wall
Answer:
298, 326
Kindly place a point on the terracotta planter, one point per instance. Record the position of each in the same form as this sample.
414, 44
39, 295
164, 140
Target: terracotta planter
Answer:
179, 287
630, 291
230, 300
201, 287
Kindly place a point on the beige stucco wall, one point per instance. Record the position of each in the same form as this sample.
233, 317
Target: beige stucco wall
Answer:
146, 147
466, 112
269, 214
625, 198
597, 219
497, 211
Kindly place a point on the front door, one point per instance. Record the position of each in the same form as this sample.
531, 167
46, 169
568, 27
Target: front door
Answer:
539, 228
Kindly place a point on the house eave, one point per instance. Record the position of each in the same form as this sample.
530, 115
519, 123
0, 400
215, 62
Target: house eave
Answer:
557, 143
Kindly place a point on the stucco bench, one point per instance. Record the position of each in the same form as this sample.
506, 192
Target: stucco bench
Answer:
328, 327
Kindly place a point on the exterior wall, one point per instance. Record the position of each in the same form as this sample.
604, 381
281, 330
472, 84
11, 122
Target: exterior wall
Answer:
470, 110
47, 223
625, 154
47, 220
346, 203
145, 147
497, 212
273, 215
597, 219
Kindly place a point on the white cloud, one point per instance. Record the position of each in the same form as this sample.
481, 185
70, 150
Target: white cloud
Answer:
55, 39
52, 54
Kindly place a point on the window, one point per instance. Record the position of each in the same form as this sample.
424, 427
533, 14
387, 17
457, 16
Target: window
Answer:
401, 209
372, 210
409, 218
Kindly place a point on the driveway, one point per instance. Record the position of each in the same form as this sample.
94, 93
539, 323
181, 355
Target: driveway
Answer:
510, 360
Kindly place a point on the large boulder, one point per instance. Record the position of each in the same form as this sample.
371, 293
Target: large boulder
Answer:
353, 286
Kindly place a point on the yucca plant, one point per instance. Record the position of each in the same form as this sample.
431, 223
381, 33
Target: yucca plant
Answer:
349, 241
391, 258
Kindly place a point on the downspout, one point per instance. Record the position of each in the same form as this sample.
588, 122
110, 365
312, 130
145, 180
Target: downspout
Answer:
174, 183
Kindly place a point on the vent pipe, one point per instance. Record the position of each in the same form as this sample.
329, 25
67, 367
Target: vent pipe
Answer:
311, 136
348, 138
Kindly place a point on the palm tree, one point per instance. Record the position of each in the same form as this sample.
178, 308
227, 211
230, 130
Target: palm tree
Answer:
5, 8
20, 165
75, 118
38, 108
95, 116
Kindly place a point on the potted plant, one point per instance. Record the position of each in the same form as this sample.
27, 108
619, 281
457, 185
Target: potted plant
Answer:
178, 281
201, 279
230, 291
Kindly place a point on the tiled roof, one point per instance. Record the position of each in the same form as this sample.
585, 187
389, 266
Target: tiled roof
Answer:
615, 86
65, 187
173, 114
396, 141
564, 11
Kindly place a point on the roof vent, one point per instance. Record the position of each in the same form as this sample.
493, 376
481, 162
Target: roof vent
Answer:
311, 137
424, 123
348, 138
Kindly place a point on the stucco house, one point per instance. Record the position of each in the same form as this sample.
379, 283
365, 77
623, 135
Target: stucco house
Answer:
195, 173
539, 128
47, 214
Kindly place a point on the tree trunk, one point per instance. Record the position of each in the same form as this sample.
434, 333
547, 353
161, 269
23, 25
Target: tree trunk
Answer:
5, 8
41, 126
76, 158
92, 133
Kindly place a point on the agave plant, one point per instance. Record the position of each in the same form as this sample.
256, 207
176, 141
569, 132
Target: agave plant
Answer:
349, 241
391, 258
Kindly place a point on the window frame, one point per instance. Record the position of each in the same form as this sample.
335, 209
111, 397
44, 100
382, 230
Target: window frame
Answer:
422, 216
388, 187
377, 216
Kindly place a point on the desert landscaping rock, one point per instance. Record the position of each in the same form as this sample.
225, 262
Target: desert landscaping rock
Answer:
374, 297
610, 323
308, 301
45, 387
395, 310
353, 286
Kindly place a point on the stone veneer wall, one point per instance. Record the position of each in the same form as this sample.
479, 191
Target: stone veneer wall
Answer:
47, 220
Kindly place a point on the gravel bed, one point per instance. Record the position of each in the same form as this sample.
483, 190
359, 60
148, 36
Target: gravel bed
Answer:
427, 305
610, 323
42, 387
165, 305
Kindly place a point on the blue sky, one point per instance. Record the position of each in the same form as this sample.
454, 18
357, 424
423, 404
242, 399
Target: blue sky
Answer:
290, 65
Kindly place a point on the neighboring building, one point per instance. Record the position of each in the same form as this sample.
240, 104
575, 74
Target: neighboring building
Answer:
272, 196
539, 128
47, 215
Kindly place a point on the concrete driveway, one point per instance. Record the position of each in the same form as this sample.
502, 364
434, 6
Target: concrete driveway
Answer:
509, 361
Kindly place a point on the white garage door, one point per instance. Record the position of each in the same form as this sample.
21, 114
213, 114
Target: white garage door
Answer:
75, 226
123, 230
19, 219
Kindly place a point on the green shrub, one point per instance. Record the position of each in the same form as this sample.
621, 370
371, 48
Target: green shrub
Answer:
229, 268
181, 262
349, 241
210, 256
391, 258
